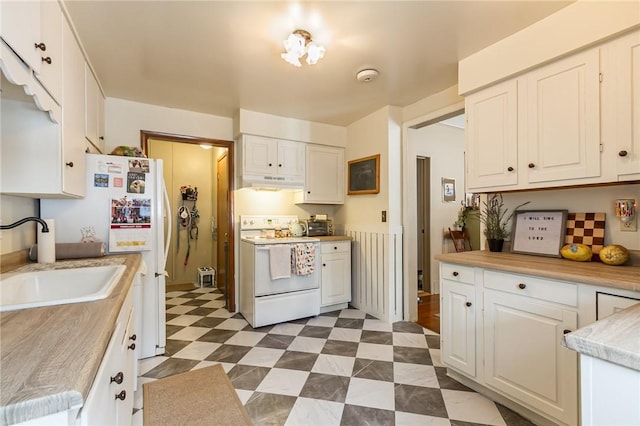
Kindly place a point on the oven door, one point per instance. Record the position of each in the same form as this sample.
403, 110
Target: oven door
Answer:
265, 286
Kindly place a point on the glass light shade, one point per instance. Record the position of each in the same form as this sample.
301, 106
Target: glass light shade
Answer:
291, 58
314, 53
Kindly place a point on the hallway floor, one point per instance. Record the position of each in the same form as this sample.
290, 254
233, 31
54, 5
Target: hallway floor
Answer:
429, 311
339, 368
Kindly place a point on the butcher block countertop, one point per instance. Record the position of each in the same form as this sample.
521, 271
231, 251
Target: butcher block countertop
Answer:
50, 355
624, 277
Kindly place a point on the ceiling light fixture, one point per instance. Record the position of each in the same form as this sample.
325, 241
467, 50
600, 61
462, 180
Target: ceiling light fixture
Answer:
298, 44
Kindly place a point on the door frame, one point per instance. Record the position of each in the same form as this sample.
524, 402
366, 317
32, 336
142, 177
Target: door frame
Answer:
145, 135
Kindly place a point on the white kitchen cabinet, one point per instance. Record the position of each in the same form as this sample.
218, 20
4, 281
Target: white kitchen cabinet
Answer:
540, 129
41, 158
492, 137
563, 119
621, 104
458, 321
51, 24
110, 399
335, 279
267, 160
20, 29
94, 111
324, 175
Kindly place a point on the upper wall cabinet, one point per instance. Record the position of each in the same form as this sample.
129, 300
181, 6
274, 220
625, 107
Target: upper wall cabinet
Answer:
538, 130
575, 121
50, 74
21, 30
491, 137
324, 176
269, 162
93, 111
621, 104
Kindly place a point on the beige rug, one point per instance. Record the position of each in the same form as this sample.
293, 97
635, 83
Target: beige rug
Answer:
198, 397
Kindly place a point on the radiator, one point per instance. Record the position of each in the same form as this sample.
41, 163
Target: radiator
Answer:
376, 272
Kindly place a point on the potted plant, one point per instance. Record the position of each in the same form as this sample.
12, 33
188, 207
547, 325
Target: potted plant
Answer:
495, 219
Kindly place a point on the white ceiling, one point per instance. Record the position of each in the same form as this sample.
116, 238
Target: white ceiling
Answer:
218, 56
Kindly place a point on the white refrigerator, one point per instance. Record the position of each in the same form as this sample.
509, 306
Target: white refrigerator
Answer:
127, 207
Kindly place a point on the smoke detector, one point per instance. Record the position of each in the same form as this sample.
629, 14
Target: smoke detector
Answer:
367, 75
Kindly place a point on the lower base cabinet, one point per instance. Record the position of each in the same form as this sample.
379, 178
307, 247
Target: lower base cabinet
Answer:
504, 333
110, 400
335, 286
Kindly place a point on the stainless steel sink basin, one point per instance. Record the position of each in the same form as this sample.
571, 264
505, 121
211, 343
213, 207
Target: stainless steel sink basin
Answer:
57, 287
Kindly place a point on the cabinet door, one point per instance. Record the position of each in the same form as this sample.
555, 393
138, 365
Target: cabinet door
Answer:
524, 357
492, 137
291, 159
124, 401
73, 155
259, 155
324, 181
51, 31
458, 326
336, 278
563, 119
626, 98
20, 29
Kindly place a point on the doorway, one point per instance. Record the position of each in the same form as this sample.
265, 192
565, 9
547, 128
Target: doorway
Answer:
201, 236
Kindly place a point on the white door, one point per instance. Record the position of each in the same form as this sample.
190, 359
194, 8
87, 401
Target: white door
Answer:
458, 332
324, 174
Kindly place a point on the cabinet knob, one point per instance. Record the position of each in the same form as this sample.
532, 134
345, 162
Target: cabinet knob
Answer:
270, 164
101, 138
468, 304
335, 248
308, 192
69, 164
623, 153
509, 169
324, 264
565, 331
121, 396
531, 165
41, 46
455, 274
47, 59
87, 151
118, 378
132, 346
279, 165
133, 337
522, 286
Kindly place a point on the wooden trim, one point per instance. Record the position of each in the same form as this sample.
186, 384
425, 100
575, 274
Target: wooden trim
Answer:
375, 189
145, 135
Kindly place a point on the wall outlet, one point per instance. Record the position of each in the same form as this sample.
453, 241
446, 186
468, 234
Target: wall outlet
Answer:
384, 215
631, 226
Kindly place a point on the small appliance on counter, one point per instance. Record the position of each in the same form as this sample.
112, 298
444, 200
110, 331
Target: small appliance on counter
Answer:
316, 227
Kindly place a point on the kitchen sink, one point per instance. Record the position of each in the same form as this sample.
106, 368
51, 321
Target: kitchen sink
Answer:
23, 290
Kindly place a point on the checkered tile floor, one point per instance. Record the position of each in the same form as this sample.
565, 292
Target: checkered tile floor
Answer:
339, 368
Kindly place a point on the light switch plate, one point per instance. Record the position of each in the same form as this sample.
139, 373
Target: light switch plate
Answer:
384, 215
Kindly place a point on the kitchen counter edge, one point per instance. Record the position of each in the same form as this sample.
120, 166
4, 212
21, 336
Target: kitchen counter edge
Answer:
330, 238
37, 341
624, 277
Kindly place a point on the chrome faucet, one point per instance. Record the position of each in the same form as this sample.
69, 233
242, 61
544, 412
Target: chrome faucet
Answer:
45, 228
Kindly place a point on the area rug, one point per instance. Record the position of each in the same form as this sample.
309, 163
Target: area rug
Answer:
197, 397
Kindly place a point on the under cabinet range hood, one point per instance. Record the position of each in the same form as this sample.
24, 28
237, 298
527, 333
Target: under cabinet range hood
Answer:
271, 182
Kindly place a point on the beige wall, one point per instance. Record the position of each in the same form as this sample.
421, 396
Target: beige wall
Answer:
124, 120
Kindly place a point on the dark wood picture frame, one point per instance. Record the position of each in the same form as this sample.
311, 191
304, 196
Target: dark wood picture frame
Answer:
539, 232
364, 175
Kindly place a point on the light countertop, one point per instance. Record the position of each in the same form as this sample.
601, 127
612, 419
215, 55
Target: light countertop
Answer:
50, 355
615, 339
329, 238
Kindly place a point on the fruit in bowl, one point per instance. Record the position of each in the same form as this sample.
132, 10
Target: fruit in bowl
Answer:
614, 254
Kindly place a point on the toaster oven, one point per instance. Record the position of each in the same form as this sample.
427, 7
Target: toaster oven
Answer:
318, 227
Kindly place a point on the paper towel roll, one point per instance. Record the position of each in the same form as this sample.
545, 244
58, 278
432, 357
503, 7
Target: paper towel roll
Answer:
47, 243
72, 250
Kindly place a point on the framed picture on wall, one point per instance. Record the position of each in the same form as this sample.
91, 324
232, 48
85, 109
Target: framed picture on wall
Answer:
364, 175
448, 190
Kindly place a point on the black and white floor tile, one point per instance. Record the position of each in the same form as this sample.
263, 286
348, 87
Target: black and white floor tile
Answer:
339, 368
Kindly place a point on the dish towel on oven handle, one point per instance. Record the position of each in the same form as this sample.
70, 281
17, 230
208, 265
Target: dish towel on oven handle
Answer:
280, 261
303, 261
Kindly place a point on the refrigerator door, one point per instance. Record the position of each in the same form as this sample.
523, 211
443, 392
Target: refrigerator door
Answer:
123, 207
